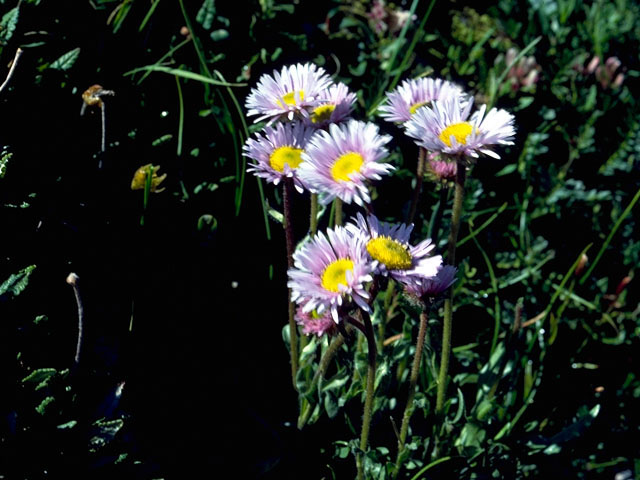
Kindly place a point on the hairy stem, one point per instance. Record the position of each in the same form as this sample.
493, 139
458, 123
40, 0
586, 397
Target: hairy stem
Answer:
368, 401
287, 192
418, 189
337, 203
313, 220
413, 380
448, 305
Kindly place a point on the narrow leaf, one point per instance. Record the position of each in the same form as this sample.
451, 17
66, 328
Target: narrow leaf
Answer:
66, 61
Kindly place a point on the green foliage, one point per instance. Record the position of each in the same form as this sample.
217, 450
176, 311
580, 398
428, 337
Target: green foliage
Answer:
8, 25
529, 320
66, 61
17, 282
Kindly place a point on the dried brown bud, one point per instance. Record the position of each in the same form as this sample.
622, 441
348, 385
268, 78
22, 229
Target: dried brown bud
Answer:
92, 95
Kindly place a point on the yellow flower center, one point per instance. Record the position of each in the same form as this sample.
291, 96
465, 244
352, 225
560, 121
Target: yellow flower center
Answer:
345, 165
459, 131
393, 254
285, 156
336, 274
322, 113
414, 108
290, 98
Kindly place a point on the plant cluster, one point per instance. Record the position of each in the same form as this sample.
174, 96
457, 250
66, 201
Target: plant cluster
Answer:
462, 298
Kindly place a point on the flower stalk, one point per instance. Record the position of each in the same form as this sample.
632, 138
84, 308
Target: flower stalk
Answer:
448, 305
313, 220
287, 191
368, 402
413, 380
418, 188
337, 212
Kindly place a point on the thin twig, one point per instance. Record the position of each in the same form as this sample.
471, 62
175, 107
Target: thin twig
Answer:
19, 52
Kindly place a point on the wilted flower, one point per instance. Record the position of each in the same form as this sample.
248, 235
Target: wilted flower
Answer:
139, 180
336, 103
433, 286
388, 245
447, 127
313, 323
330, 271
278, 153
338, 163
92, 96
293, 91
405, 100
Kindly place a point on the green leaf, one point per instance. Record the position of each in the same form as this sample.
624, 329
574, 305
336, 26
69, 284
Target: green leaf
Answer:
507, 170
219, 34
359, 70
104, 431
276, 215
206, 14
161, 140
68, 425
184, 74
37, 376
17, 282
66, 61
330, 405
4, 161
43, 405
8, 25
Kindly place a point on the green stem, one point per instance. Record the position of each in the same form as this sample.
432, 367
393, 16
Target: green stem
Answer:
408, 410
145, 195
368, 401
287, 192
337, 203
418, 189
313, 220
448, 305
382, 325
328, 355
436, 218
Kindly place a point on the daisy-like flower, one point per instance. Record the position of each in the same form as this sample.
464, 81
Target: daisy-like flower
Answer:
413, 94
313, 323
329, 271
338, 163
278, 153
433, 286
388, 245
292, 91
336, 103
448, 127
